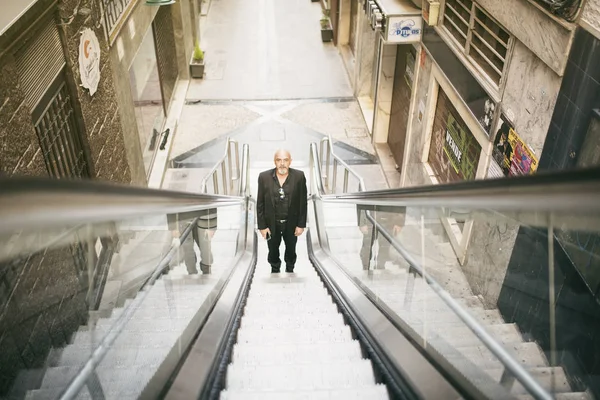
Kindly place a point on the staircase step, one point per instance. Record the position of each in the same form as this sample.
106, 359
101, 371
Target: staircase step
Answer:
330, 376
121, 356
462, 336
129, 378
128, 338
542, 375
296, 353
375, 392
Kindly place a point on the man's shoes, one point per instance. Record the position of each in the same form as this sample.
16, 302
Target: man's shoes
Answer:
289, 268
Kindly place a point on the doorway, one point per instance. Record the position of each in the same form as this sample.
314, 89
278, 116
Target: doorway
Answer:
401, 95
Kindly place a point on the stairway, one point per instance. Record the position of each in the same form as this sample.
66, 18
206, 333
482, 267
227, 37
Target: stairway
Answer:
293, 343
150, 334
429, 317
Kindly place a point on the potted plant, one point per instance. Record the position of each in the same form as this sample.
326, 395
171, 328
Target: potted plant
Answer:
326, 29
197, 63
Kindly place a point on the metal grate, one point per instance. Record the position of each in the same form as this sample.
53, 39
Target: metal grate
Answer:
480, 37
59, 138
113, 10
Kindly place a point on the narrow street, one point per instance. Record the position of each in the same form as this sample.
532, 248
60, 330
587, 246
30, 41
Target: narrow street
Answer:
272, 83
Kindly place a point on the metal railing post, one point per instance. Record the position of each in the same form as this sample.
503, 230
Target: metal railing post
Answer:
334, 172
224, 178
215, 182
345, 189
230, 186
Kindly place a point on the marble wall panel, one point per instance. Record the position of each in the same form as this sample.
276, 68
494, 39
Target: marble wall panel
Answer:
530, 96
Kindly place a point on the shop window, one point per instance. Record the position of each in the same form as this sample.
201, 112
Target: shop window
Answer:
454, 152
479, 36
147, 97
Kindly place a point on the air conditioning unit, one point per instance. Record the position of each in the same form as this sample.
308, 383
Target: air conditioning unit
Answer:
431, 12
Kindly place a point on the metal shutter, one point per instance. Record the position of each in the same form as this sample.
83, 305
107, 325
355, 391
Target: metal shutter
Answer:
39, 63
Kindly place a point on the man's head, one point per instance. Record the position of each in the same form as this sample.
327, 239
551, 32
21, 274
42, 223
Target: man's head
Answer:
282, 159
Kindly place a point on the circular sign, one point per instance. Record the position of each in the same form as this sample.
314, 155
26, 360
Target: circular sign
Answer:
89, 60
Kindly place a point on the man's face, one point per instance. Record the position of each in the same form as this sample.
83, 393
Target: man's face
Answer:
282, 163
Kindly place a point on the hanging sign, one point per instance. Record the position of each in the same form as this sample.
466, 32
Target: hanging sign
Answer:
89, 60
404, 29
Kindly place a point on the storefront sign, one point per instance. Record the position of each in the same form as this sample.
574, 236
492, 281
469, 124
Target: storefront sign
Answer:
89, 60
404, 29
511, 153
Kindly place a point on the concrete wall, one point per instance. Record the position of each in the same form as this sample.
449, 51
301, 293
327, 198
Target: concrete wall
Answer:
366, 57
415, 171
384, 95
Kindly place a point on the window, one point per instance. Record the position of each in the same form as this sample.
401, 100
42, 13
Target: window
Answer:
58, 133
480, 37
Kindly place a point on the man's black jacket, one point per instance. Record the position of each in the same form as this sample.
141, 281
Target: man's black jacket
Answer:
265, 209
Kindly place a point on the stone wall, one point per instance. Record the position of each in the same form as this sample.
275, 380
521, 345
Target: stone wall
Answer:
100, 113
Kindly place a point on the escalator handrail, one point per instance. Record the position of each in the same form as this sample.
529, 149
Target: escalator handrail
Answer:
33, 202
530, 384
567, 191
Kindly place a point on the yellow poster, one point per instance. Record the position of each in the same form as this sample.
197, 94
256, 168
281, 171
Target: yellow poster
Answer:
523, 161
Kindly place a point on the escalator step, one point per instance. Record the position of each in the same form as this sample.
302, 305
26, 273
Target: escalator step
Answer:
291, 321
296, 353
348, 375
301, 335
368, 392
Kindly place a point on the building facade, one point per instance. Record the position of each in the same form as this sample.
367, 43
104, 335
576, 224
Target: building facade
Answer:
492, 89
86, 89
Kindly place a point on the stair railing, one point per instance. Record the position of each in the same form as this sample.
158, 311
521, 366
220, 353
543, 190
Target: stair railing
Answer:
229, 160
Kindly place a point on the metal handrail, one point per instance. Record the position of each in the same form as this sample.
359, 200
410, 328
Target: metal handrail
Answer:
227, 184
509, 363
328, 142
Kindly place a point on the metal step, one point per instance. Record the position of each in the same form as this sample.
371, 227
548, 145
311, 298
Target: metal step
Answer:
312, 353
321, 376
375, 392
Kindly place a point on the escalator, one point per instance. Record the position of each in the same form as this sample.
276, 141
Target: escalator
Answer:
293, 343
344, 325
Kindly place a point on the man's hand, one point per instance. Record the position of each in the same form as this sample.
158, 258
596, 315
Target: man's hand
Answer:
298, 231
264, 232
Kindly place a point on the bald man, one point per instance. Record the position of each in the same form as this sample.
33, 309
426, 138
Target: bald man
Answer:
281, 209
